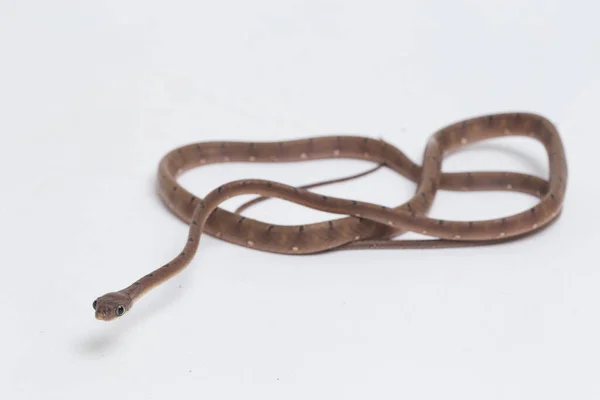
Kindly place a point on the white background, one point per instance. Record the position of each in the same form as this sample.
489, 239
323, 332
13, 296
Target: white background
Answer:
93, 94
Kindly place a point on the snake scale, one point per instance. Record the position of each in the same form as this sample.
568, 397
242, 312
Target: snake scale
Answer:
366, 225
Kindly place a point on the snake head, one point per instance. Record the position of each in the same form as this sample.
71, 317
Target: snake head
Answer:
111, 305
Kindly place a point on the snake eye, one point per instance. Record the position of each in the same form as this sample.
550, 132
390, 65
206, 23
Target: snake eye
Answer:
95, 304
120, 310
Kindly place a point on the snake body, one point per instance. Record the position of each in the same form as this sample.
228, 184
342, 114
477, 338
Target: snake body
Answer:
367, 225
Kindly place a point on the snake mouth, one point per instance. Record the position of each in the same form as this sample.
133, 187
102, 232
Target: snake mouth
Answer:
100, 316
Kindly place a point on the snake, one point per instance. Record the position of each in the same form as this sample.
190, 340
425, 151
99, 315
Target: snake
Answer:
364, 225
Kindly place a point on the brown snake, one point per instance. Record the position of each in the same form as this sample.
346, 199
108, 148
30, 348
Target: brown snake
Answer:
367, 225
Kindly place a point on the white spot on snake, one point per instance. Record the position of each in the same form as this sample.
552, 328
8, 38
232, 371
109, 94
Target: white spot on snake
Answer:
218, 234
303, 155
336, 152
463, 141
502, 234
456, 236
250, 243
356, 237
252, 158
423, 231
226, 158
509, 186
295, 248
534, 226
390, 223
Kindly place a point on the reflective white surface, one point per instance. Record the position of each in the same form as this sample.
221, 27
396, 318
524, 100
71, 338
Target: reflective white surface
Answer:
92, 94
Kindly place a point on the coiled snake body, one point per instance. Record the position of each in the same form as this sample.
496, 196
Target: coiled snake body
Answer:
367, 225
